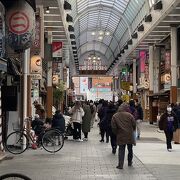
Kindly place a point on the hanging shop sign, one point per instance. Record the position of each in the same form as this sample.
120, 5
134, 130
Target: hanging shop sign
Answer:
168, 60
55, 79
166, 78
57, 51
142, 59
36, 46
36, 67
125, 85
20, 22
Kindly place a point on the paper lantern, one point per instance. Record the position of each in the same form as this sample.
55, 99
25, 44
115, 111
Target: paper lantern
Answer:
20, 23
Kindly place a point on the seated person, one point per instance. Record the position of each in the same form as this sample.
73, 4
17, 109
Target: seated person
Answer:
58, 121
37, 125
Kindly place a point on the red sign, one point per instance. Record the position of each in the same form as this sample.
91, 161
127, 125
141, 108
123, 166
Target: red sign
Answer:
19, 23
57, 49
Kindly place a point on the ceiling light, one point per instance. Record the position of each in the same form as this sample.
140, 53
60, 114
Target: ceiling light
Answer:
107, 33
47, 10
98, 58
94, 61
94, 57
100, 37
101, 33
93, 33
89, 58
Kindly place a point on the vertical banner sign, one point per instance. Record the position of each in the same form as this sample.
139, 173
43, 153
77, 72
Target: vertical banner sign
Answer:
57, 51
36, 46
36, 67
83, 84
146, 72
142, 58
20, 22
168, 60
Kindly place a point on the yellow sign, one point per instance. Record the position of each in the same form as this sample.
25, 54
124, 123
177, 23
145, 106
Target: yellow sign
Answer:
125, 85
125, 98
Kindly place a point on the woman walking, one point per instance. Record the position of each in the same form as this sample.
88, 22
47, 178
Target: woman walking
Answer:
168, 122
77, 114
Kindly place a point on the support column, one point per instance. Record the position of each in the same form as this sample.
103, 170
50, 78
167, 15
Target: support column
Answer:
48, 56
173, 91
49, 90
26, 60
134, 79
151, 70
151, 81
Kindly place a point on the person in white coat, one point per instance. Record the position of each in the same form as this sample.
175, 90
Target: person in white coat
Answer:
77, 114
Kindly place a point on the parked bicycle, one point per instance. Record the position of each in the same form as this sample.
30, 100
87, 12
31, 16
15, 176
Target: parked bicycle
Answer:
14, 176
17, 142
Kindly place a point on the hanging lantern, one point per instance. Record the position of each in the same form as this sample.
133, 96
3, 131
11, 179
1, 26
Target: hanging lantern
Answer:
20, 22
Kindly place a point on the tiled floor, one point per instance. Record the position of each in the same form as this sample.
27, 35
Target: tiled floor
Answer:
89, 160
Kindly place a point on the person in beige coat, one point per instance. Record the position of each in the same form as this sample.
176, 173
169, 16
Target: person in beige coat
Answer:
123, 125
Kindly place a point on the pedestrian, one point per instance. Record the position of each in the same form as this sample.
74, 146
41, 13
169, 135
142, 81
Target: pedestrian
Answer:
86, 120
168, 123
123, 125
103, 122
77, 114
58, 121
111, 110
139, 118
93, 112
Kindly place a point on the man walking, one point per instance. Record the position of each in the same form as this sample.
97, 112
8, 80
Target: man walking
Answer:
123, 125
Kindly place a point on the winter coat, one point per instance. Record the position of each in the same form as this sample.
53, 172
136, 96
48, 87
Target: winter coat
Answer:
139, 112
163, 122
58, 122
123, 125
86, 120
77, 114
103, 121
111, 110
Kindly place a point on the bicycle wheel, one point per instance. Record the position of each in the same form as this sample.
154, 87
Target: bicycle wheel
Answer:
52, 141
14, 176
17, 142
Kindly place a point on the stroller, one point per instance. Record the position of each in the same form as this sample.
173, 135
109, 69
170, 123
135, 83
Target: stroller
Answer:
69, 126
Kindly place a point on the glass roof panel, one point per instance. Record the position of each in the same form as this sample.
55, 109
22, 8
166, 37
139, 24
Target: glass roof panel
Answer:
106, 15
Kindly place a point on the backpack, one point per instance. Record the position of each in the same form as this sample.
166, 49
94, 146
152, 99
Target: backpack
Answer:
92, 109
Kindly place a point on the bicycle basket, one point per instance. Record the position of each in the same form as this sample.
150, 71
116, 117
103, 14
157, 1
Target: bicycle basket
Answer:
16, 126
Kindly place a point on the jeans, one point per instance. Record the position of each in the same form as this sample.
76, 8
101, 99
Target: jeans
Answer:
169, 137
77, 130
122, 154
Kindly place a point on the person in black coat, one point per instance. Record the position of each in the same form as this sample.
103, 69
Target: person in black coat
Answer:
139, 118
111, 110
58, 121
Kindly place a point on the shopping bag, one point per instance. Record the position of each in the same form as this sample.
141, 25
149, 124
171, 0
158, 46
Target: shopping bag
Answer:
134, 137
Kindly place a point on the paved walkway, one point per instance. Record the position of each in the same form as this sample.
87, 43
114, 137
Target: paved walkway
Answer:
93, 160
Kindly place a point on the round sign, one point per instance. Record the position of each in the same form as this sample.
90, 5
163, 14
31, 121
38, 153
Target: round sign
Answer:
168, 77
19, 23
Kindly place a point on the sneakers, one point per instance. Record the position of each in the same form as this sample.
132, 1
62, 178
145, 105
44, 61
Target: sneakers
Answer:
79, 140
119, 167
114, 150
170, 150
130, 163
101, 140
85, 139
